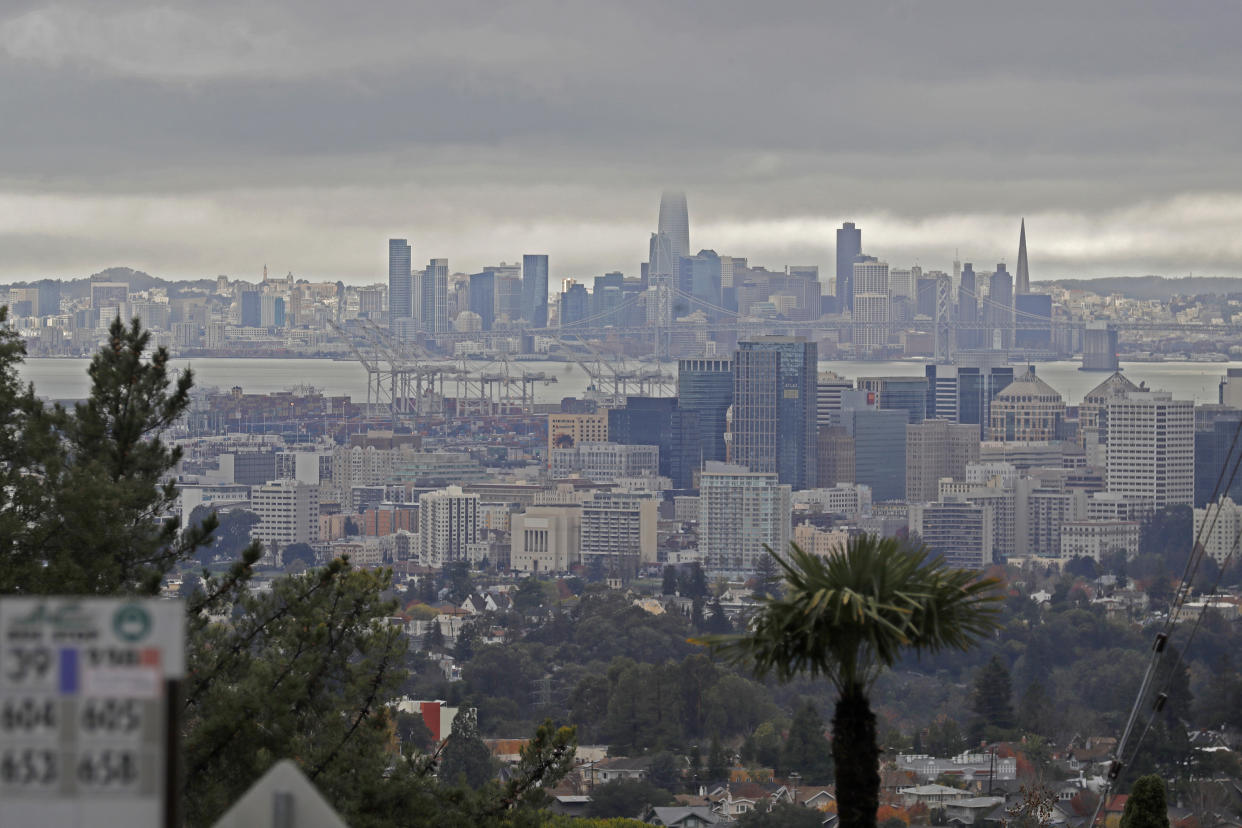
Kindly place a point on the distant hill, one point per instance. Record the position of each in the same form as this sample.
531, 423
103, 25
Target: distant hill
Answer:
1152, 287
136, 279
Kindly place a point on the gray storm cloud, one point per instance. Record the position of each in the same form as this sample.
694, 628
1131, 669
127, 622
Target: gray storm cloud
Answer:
195, 139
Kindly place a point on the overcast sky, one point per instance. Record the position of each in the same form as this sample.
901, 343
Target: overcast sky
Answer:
192, 139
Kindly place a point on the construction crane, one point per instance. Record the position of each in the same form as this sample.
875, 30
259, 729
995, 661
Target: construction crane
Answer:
612, 382
414, 383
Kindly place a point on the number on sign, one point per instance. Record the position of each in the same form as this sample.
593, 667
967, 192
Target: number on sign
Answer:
108, 769
26, 664
29, 766
111, 715
27, 715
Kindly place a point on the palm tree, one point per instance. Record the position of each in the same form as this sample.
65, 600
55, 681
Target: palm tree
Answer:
850, 616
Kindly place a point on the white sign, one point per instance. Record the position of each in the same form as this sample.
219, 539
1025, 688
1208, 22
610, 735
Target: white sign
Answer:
83, 712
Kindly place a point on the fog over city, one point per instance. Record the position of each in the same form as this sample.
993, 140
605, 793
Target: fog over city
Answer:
189, 140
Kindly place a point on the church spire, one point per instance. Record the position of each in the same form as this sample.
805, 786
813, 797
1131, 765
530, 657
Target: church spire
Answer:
1022, 279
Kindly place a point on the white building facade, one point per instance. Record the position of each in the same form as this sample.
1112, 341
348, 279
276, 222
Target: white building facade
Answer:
739, 513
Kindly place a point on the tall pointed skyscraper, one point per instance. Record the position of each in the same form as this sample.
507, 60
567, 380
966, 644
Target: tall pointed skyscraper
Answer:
675, 223
1022, 279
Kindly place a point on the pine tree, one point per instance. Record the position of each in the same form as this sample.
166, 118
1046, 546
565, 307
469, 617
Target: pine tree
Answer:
302, 671
86, 491
1147, 806
806, 750
465, 759
669, 586
991, 699
718, 622
717, 761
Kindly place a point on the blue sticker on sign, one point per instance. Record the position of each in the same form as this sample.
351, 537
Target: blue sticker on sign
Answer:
68, 672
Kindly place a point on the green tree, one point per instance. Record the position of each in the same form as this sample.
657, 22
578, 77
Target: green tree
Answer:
465, 759
717, 622
529, 597
767, 576
850, 616
1035, 709
806, 749
1147, 806
303, 552
669, 584
991, 698
626, 798
665, 771
82, 490
301, 671
765, 744
304, 670
456, 576
717, 761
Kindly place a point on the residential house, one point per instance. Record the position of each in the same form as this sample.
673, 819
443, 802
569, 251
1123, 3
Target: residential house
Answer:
931, 795
694, 816
973, 810
618, 767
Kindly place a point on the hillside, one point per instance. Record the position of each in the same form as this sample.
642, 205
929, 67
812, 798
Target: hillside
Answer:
1152, 287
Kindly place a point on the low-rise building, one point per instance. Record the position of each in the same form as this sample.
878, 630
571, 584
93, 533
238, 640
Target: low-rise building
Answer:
1097, 539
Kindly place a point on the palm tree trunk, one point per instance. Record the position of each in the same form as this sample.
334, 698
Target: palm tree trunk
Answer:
856, 758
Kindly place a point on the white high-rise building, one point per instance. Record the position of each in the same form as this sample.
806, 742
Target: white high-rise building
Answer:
739, 513
433, 297
448, 526
1151, 448
619, 531
1225, 524
871, 304
288, 512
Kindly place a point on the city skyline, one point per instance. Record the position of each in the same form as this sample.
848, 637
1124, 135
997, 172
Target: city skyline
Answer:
188, 144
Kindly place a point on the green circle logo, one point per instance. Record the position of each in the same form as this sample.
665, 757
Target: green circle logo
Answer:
131, 622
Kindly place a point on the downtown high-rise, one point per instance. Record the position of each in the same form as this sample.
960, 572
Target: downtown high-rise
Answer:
535, 290
433, 304
400, 283
774, 399
675, 224
849, 248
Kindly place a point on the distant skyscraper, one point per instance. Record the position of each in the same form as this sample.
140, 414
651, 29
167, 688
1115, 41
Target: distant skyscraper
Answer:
699, 276
849, 247
661, 422
251, 309
774, 397
870, 303
907, 394
575, 304
998, 312
675, 223
705, 387
967, 308
1022, 279
434, 299
936, 449
483, 297
400, 288
535, 290
964, 393
1151, 448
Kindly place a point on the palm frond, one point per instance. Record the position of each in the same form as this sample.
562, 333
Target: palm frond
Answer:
849, 615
